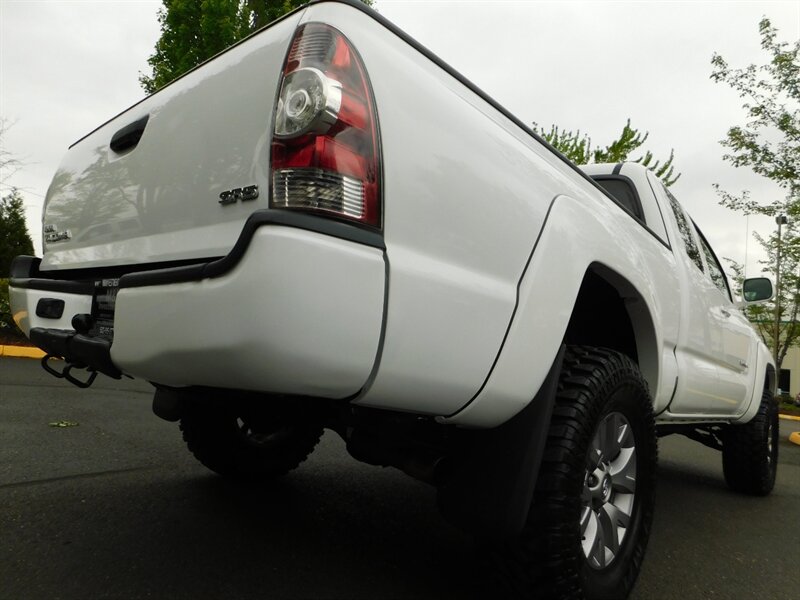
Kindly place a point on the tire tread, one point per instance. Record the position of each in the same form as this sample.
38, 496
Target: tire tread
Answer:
744, 451
544, 563
212, 438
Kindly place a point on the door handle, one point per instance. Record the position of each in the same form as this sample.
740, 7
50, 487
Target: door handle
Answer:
128, 137
725, 313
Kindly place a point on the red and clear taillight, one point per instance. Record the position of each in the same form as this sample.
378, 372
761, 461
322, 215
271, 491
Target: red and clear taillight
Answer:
325, 138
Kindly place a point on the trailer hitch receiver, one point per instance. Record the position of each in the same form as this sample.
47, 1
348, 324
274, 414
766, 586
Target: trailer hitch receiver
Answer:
66, 372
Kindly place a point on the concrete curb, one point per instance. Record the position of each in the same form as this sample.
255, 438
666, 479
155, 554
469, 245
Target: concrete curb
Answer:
794, 437
21, 352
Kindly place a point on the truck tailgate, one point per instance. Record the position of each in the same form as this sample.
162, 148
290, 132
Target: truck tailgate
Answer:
156, 183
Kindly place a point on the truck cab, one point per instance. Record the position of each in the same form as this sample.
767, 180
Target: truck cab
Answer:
719, 366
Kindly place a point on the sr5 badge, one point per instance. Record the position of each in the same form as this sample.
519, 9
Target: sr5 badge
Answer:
243, 193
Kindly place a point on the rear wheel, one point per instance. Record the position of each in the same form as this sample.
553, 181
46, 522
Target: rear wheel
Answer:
590, 518
750, 451
247, 444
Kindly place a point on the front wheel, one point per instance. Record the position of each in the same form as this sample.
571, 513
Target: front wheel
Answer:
750, 451
590, 518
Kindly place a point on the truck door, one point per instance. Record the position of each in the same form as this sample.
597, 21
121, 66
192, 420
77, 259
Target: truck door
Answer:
736, 364
700, 347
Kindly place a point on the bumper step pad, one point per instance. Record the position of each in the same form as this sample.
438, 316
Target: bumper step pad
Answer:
77, 349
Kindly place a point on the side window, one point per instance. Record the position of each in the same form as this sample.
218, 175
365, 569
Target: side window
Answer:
624, 192
714, 268
685, 230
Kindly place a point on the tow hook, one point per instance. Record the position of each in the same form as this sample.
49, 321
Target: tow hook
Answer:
66, 372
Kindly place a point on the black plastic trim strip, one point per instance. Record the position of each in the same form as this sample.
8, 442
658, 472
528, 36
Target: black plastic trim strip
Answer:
674, 390
54, 285
668, 243
260, 218
28, 275
29, 268
117, 271
716, 259
25, 272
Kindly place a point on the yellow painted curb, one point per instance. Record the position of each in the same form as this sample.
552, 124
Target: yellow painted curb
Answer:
21, 352
789, 417
794, 437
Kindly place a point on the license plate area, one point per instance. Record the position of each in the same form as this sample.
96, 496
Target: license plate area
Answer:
103, 304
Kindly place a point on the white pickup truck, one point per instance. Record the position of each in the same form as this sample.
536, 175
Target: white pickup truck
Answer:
327, 227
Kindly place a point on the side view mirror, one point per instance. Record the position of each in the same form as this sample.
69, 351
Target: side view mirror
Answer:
757, 289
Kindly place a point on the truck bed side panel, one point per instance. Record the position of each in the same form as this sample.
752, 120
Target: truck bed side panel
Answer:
465, 194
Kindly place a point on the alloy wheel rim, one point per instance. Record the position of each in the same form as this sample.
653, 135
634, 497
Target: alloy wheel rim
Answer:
769, 444
609, 490
258, 434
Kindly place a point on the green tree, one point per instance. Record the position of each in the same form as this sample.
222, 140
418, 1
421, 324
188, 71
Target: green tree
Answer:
7, 325
13, 231
762, 316
577, 147
193, 31
14, 238
769, 141
258, 13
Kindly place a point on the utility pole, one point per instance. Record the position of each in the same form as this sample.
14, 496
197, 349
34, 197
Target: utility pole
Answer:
780, 220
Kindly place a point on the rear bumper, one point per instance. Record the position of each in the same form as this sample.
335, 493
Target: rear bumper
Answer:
299, 312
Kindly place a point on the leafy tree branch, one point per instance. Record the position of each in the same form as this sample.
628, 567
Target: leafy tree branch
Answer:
578, 148
768, 142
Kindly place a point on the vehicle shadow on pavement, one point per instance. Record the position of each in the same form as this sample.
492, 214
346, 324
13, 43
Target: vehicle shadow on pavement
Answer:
710, 542
315, 534
159, 525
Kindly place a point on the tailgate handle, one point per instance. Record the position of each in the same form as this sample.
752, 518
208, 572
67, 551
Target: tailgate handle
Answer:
127, 137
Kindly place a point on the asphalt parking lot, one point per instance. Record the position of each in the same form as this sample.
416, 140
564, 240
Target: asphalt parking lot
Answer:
113, 506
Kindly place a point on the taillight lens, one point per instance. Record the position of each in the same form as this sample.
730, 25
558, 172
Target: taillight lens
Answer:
325, 141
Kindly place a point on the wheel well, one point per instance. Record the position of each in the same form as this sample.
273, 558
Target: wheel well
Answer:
609, 312
770, 381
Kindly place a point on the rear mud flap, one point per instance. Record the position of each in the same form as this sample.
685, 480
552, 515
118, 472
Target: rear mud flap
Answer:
489, 492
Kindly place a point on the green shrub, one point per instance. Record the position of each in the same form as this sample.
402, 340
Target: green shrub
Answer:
5, 308
9, 332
